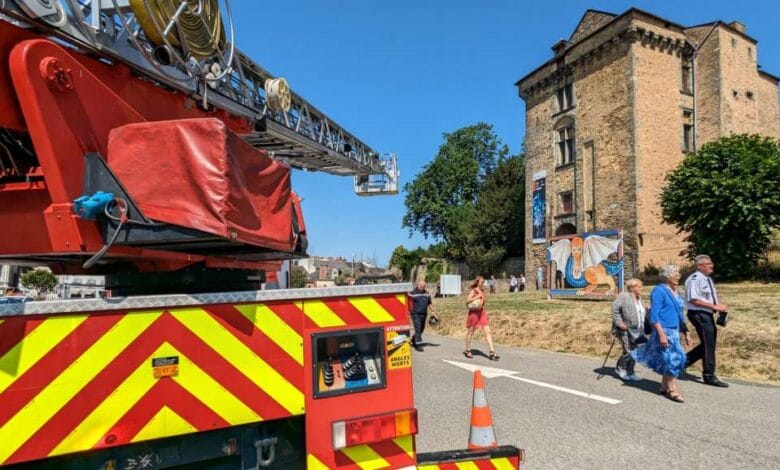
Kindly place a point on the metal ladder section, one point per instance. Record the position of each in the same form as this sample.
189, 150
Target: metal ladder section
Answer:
303, 137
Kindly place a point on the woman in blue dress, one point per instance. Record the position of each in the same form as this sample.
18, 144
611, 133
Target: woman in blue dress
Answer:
664, 353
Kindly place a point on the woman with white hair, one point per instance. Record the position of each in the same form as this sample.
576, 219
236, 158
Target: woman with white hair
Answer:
628, 326
664, 353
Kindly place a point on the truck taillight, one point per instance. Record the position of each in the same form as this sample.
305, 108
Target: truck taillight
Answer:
370, 429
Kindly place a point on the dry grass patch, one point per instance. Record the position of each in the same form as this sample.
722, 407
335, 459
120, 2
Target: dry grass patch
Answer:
748, 348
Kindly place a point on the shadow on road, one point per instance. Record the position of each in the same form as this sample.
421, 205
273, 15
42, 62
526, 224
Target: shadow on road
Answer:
648, 385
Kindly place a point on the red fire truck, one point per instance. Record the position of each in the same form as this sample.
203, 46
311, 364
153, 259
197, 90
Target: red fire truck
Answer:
136, 142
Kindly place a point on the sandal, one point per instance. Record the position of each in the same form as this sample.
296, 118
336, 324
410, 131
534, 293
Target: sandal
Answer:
675, 395
468, 354
493, 356
662, 391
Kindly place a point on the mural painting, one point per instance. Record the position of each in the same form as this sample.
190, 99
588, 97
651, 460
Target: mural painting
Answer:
539, 207
586, 265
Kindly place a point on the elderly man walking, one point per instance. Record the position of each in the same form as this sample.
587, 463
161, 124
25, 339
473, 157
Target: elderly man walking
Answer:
420, 303
702, 302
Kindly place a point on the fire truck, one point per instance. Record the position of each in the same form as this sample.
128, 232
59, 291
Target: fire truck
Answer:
138, 143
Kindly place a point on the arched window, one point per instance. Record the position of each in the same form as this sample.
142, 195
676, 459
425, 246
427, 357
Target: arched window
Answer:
566, 229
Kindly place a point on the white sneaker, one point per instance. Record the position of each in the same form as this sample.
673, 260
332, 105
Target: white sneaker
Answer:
634, 378
621, 373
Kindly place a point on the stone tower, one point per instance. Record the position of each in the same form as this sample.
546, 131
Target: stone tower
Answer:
620, 104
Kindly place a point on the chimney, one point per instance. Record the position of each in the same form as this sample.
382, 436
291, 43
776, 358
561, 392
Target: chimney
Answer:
738, 26
560, 46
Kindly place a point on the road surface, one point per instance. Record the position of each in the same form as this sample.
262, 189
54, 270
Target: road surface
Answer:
553, 406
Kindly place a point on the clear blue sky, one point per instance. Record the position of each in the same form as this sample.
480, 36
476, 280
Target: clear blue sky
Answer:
398, 74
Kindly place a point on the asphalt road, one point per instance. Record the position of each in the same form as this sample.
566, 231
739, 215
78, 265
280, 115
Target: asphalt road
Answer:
622, 426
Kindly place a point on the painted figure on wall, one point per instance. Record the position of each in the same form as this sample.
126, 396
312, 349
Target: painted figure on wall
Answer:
588, 261
538, 205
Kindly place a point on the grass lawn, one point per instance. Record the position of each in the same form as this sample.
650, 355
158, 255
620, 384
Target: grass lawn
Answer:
749, 348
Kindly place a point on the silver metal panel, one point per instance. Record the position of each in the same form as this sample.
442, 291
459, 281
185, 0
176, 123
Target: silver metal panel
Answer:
185, 300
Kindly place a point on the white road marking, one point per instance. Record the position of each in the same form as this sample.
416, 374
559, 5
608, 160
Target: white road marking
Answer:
492, 372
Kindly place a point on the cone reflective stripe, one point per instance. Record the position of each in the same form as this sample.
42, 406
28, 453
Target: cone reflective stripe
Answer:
481, 435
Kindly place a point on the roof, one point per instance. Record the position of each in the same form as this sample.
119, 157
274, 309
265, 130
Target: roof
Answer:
630, 11
768, 75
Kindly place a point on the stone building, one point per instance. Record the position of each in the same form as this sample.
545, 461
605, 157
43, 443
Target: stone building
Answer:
620, 104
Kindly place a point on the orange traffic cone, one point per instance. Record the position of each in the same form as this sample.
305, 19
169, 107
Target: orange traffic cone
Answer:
481, 435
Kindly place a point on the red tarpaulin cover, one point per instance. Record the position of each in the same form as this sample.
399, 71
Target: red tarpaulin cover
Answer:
195, 173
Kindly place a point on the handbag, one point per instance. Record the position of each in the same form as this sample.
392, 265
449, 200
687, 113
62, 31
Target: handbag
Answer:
475, 304
723, 319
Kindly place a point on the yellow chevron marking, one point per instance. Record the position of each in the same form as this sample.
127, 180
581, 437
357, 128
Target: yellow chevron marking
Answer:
243, 358
401, 298
216, 397
365, 457
406, 443
466, 466
428, 467
52, 398
100, 421
34, 346
135, 386
320, 314
267, 321
165, 423
503, 464
371, 309
313, 463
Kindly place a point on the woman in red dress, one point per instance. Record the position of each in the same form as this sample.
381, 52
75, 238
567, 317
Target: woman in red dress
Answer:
477, 318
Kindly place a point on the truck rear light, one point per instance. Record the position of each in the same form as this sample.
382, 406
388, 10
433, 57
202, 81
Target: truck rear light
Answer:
371, 429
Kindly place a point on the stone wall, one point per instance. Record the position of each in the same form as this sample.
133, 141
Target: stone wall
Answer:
658, 112
591, 21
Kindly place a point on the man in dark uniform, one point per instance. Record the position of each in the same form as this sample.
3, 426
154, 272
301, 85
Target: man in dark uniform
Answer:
420, 303
701, 299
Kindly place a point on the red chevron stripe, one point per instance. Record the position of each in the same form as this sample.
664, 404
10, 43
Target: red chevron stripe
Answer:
392, 305
26, 387
165, 328
347, 312
93, 393
168, 393
394, 455
14, 330
246, 332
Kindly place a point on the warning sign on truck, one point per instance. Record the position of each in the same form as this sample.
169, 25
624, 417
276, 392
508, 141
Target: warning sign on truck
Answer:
399, 352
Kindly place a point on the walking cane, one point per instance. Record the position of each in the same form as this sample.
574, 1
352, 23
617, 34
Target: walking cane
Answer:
614, 338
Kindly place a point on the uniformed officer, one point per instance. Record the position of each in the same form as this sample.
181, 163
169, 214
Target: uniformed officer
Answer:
421, 302
701, 299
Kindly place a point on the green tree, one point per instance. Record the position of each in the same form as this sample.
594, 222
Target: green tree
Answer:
41, 280
442, 196
406, 260
497, 228
726, 197
298, 277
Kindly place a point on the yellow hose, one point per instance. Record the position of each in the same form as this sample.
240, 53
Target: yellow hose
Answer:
201, 33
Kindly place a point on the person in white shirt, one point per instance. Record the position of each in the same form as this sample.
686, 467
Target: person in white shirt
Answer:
628, 325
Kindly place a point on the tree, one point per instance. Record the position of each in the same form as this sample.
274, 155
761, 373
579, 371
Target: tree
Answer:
726, 197
298, 277
40, 280
497, 228
442, 197
406, 260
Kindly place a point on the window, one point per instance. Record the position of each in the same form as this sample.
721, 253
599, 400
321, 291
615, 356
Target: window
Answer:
566, 203
749, 94
566, 145
688, 131
565, 94
750, 53
687, 76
